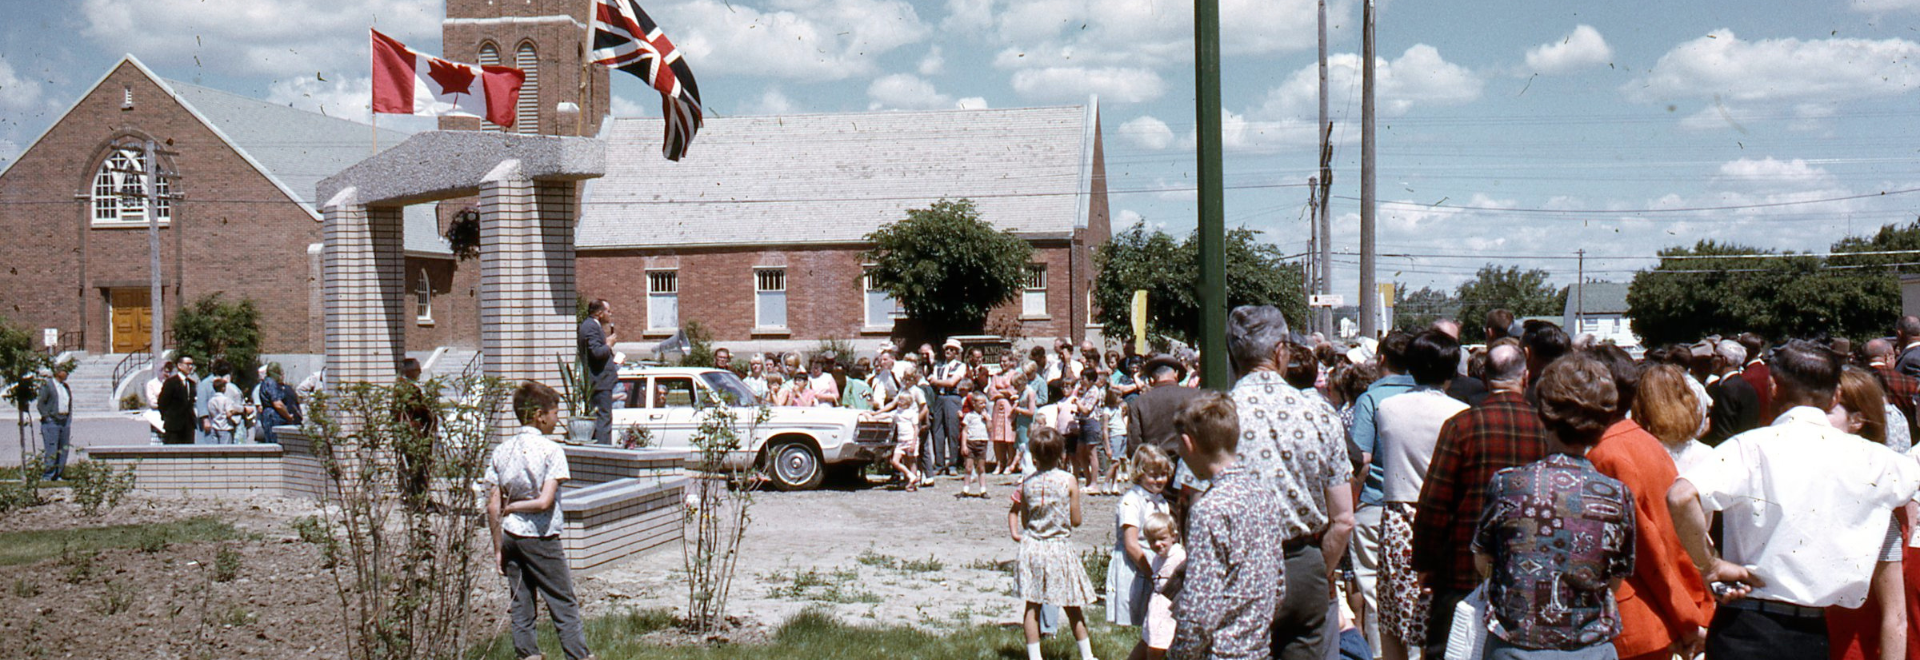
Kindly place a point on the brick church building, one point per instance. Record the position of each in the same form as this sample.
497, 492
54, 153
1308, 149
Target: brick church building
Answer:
756, 234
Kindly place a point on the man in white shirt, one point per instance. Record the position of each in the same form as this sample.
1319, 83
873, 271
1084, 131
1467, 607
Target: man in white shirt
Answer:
523, 514
943, 456
885, 380
1806, 509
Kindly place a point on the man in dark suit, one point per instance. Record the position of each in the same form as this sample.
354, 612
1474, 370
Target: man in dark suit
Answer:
1907, 343
596, 355
176, 404
1736, 406
55, 402
1150, 416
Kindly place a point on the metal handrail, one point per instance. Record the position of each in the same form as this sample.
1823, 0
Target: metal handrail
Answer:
133, 362
466, 373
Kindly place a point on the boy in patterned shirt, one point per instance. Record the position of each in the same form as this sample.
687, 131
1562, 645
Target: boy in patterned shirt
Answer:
1234, 570
523, 514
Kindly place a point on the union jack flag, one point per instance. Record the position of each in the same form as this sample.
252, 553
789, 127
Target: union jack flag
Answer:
625, 38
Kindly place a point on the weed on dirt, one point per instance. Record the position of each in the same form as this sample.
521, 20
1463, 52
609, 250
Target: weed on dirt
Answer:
34, 546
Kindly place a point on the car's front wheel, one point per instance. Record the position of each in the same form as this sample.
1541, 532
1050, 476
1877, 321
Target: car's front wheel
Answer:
794, 465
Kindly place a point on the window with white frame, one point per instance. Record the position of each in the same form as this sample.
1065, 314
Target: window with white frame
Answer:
1033, 301
880, 305
423, 298
119, 190
770, 298
663, 299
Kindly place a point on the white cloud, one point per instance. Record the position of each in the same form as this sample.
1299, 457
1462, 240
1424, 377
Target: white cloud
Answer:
1723, 66
1419, 77
1772, 173
1882, 6
968, 16
933, 63
289, 38
1239, 133
1072, 84
802, 39
1147, 132
972, 103
903, 91
345, 96
773, 102
625, 108
1583, 47
17, 93
1126, 219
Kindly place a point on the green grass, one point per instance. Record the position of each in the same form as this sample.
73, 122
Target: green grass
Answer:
815, 634
31, 547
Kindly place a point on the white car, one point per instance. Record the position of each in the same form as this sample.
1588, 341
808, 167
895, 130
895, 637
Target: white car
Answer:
794, 447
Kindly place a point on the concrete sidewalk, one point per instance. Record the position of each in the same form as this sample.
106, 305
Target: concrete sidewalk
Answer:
98, 429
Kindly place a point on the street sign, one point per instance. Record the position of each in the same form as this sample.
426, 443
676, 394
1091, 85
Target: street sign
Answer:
50, 337
1327, 300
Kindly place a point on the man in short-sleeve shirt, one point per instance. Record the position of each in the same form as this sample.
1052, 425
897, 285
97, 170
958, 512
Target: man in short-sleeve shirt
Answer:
1805, 507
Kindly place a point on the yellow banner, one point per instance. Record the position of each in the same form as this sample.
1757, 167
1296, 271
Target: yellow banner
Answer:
1140, 321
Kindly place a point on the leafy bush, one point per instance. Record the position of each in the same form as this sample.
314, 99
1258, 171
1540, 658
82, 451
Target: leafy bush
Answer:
132, 402
97, 484
699, 345
213, 328
25, 492
226, 565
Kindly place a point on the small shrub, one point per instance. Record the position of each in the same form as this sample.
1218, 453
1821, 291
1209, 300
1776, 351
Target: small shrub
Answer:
226, 565
314, 530
79, 565
232, 615
97, 485
24, 588
155, 540
132, 402
25, 492
1095, 561
116, 598
928, 565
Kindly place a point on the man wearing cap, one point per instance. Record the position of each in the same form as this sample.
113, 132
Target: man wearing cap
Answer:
1150, 415
945, 411
56, 421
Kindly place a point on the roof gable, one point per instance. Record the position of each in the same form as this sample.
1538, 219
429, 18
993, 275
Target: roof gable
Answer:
1599, 298
834, 178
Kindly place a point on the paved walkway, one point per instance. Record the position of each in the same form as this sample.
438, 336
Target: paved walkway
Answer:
89, 430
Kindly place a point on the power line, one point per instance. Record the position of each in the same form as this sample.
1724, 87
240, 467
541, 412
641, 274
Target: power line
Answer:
1735, 207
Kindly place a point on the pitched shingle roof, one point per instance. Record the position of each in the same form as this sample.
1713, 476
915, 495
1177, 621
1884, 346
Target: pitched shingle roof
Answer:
799, 179
1600, 298
298, 148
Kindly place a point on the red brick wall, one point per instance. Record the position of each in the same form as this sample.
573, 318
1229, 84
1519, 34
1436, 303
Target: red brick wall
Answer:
824, 294
557, 43
234, 233
456, 304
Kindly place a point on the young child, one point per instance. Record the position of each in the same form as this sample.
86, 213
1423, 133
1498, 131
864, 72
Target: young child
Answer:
523, 514
1115, 414
1234, 570
909, 408
1045, 510
1127, 570
1156, 634
973, 433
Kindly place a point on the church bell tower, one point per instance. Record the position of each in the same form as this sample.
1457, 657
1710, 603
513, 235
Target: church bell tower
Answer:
544, 38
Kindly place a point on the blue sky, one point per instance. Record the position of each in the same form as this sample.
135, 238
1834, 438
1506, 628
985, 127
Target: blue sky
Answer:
1515, 132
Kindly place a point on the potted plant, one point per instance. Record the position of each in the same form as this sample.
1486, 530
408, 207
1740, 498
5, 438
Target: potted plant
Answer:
578, 391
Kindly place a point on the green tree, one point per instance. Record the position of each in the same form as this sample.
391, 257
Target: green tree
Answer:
19, 360
1525, 293
1419, 309
213, 327
1725, 288
1169, 271
948, 268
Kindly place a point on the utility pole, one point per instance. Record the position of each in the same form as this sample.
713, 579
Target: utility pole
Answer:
1316, 269
1323, 218
1580, 292
151, 192
1214, 372
1369, 295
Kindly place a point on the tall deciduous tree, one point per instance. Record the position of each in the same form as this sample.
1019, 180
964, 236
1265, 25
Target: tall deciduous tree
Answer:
1525, 293
214, 327
1418, 309
1169, 271
947, 268
1854, 293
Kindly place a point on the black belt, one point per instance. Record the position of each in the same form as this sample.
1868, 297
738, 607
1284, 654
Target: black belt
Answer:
1777, 607
1299, 543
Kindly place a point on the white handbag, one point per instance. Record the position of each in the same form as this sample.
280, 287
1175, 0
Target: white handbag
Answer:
1467, 639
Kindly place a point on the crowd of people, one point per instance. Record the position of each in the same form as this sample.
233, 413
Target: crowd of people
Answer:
1534, 496
183, 409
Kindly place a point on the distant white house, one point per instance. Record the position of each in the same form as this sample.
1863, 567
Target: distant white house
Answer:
1600, 309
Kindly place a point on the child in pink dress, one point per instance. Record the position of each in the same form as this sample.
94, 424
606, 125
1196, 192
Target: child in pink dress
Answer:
1168, 555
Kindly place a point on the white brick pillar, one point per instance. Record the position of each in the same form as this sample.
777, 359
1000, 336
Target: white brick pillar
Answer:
363, 269
526, 276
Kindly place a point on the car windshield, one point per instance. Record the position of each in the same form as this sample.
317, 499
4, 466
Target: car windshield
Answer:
730, 389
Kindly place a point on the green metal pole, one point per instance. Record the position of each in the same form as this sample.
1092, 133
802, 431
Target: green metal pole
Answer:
1214, 371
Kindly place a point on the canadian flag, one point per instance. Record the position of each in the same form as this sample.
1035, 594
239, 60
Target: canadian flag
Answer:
409, 83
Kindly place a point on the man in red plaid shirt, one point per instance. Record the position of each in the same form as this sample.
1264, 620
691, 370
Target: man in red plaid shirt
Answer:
1902, 390
1503, 431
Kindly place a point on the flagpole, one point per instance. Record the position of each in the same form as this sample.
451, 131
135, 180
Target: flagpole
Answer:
586, 71
373, 127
